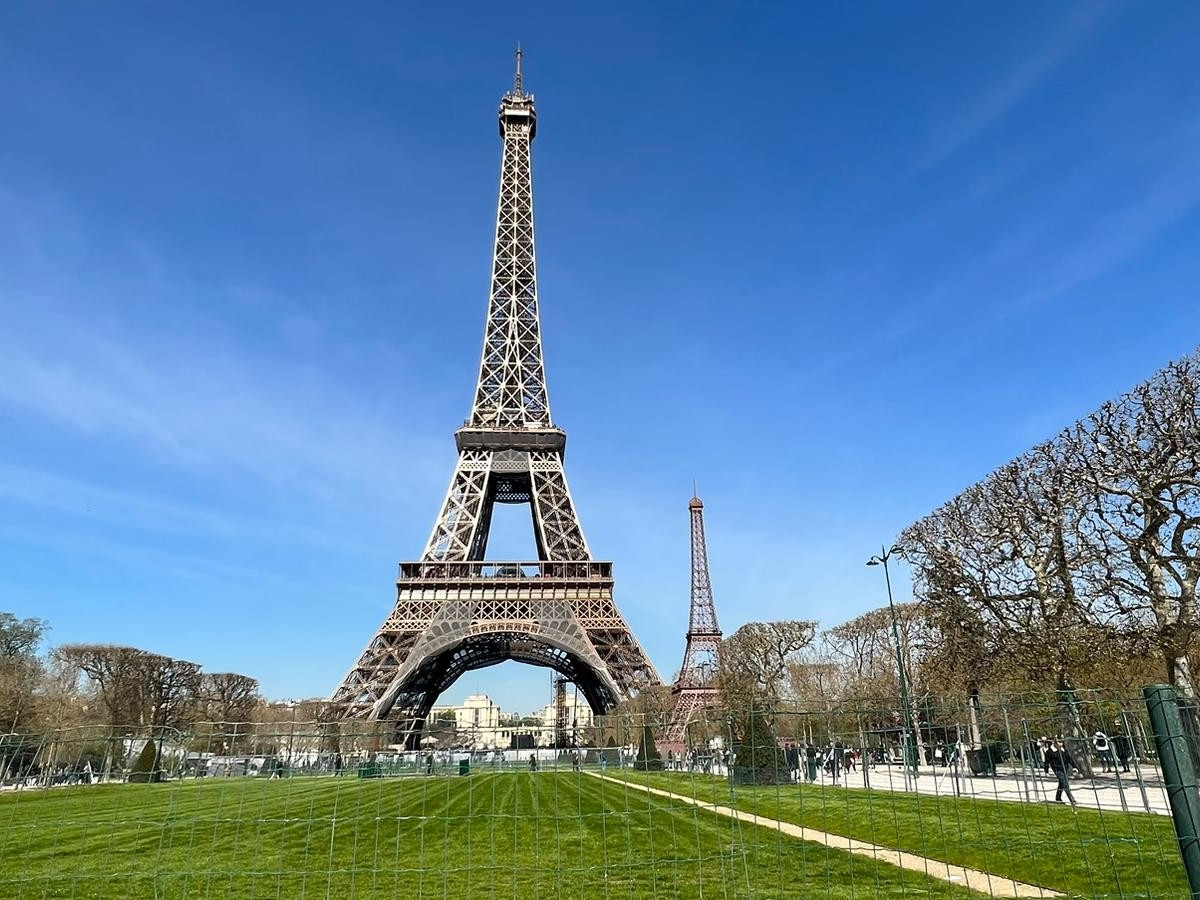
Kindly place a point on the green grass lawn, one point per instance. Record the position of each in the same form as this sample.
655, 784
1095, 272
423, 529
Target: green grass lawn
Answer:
495, 835
1083, 853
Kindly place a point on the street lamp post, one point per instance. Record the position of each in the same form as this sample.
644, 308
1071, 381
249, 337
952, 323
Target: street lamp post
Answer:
910, 756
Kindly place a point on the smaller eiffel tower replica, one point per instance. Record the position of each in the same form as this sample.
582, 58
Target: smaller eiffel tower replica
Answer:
697, 684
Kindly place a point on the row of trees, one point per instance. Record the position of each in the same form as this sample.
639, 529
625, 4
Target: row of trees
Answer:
1075, 565
125, 688
1078, 562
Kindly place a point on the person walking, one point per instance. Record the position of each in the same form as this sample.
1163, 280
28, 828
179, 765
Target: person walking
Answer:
1103, 750
793, 763
1059, 761
839, 759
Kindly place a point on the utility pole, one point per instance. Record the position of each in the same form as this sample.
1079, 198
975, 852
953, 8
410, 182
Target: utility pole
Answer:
911, 757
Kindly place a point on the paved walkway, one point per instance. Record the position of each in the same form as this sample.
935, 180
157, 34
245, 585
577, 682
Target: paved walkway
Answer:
975, 879
1102, 792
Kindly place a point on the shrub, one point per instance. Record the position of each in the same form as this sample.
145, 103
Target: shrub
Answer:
145, 766
610, 754
648, 758
758, 759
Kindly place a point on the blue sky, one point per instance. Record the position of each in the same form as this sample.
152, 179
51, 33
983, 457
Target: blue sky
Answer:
833, 264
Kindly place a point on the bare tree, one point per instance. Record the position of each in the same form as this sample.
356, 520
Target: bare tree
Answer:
20, 671
228, 696
114, 674
1140, 462
169, 688
228, 701
756, 659
20, 637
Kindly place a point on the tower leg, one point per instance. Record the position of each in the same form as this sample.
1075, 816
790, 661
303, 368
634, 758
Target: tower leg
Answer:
558, 525
457, 535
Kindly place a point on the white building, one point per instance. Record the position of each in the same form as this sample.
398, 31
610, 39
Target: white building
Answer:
480, 723
579, 714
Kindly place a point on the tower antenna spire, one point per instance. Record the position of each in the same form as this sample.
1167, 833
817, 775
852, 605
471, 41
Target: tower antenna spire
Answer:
518, 83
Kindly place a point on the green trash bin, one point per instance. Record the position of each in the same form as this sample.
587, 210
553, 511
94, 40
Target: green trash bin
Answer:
464, 767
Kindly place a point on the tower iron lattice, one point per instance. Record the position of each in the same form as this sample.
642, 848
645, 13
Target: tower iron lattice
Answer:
455, 612
696, 687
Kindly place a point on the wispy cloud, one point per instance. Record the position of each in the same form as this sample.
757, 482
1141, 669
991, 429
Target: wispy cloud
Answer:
1013, 85
1113, 238
182, 448
48, 491
184, 407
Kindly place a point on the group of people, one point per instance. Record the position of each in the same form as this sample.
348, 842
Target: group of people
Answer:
805, 760
694, 761
1119, 744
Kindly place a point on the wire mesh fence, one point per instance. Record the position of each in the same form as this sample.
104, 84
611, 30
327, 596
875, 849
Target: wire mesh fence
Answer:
843, 798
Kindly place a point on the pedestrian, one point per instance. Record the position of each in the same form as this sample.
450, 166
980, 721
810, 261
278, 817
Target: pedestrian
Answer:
532, 762
575, 761
1124, 748
810, 756
793, 762
954, 754
851, 757
1059, 761
1103, 750
838, 758
429, 763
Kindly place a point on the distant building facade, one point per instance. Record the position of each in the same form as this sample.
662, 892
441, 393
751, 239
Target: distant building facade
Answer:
480, 724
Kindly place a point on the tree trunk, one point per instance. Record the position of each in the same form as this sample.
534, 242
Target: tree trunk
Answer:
1077, 740
1180, 671
973, 711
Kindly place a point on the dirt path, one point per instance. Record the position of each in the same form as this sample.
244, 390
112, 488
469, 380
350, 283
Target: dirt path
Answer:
974, 879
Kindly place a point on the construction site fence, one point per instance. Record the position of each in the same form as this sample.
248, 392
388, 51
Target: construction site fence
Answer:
1081, 793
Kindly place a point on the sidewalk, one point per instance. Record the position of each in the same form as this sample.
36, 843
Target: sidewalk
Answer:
1099, 792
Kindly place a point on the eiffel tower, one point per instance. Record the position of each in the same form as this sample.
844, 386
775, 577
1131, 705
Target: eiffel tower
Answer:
697, 684
455, 612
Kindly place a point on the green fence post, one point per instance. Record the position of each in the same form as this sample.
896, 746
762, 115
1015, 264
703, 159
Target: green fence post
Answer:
1179, 776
